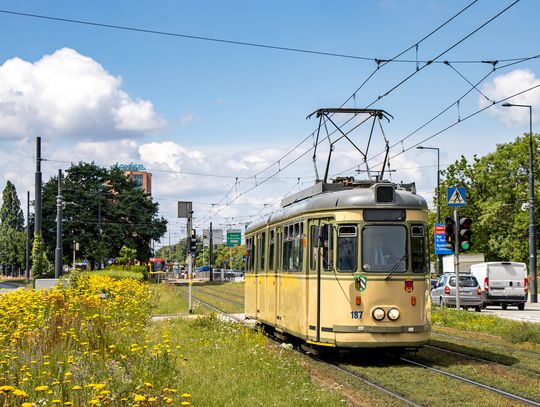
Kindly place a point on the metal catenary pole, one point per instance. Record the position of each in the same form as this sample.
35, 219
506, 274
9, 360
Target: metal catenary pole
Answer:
37, 186
190, 260
210, 247
456, 258
27, 270
532, 226
58, 252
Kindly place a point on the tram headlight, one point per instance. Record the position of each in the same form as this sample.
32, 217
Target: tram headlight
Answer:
378, 314
393, 314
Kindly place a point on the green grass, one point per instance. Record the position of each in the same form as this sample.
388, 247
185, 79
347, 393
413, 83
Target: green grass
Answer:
227, 364
513, 331
169, 300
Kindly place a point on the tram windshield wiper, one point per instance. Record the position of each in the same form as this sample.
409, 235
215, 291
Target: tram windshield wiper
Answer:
395, 266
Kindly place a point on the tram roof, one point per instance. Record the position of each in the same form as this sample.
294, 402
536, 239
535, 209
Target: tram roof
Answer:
347, 197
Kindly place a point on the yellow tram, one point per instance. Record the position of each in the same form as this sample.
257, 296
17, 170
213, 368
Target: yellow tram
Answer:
344, 264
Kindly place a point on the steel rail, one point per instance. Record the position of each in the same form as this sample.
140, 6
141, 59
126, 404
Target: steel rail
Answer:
481, 359
473, 382
461, 338
336, 367
372, 384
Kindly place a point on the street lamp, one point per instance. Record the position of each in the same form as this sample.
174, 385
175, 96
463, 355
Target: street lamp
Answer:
532, 227
438, 197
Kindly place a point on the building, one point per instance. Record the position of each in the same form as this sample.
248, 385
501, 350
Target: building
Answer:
138, 175
141, 179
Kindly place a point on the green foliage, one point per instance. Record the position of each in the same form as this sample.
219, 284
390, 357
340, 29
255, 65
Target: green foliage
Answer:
104, 211
11, 214
497, 186
12, 237
127, 255
116, 273
40, 264
514, 331
140, 271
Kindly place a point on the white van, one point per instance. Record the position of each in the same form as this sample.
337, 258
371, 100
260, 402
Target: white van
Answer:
503, 283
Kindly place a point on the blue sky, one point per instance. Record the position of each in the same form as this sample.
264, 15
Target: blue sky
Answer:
195, 106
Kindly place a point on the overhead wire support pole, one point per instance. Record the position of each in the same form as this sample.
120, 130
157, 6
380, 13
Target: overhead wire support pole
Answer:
27, 269
58, 263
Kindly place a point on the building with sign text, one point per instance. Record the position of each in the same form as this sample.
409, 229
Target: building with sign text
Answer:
140, 177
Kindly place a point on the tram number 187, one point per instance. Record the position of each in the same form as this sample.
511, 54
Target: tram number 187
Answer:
356, 314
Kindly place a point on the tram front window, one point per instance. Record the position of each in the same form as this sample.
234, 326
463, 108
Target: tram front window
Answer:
384, 248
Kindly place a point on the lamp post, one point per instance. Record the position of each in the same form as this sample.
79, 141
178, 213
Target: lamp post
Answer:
532, 227
438, 197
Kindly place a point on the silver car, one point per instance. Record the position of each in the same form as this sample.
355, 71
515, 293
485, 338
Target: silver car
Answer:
470, 293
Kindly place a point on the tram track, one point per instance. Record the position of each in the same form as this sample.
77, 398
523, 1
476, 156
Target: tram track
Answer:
465, 355
495, 345
349, 372
473, 382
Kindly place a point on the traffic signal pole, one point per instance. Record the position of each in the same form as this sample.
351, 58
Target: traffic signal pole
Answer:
456, 258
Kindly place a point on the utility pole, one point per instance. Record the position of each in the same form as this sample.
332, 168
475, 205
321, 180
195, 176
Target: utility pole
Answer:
210, 247
456, 258
27, 270
37, 186
58, 263
75, 248
190, 258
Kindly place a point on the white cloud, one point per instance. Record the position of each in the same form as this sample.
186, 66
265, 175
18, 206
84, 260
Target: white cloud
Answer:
69, 94
186, 118
505, 85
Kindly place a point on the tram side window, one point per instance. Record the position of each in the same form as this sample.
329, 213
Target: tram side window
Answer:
293, 248
347, 248
418, 249
263, 249
271, 250
250, 257
328, 247
314, 245
301, 247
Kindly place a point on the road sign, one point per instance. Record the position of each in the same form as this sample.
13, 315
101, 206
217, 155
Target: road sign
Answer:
234, 237
441, 245
456, 196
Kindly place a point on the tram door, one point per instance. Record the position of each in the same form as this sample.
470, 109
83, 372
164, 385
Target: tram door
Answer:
320, 259
261, 276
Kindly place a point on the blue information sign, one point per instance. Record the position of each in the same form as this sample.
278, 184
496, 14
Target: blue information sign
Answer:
456, 196
441, 246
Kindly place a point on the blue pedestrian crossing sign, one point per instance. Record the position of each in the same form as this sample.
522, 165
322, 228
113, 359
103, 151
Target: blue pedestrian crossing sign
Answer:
456, 196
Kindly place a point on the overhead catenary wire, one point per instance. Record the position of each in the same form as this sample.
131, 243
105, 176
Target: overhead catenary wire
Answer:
244, 43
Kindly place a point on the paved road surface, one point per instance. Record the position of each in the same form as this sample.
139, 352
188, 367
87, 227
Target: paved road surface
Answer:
531, 313
7, 286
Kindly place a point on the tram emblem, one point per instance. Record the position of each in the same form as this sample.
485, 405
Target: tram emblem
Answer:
360, 283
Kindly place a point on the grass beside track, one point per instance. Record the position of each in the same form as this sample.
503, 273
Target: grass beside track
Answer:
226, 364
511, 370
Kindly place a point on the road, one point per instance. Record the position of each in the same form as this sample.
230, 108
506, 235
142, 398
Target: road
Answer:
9, 286
531, 313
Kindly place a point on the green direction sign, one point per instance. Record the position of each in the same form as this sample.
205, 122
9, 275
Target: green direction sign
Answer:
234, 237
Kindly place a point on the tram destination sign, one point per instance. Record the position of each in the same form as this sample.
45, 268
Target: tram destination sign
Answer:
234, 237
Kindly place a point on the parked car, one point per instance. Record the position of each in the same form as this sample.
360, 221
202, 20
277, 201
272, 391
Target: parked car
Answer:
470, 293
504, 283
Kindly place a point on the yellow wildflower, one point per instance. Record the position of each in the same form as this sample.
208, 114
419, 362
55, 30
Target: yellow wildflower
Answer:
42, 388
76, 387
139, 397
168, 400
20, 393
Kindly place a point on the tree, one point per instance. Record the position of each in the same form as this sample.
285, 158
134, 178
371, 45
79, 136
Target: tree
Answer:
12, 237
40, 264
11, 214
127, 255
497, 187
103, 211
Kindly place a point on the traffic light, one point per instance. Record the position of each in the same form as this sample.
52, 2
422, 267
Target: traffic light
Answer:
450, 232
465, 234
193, 241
